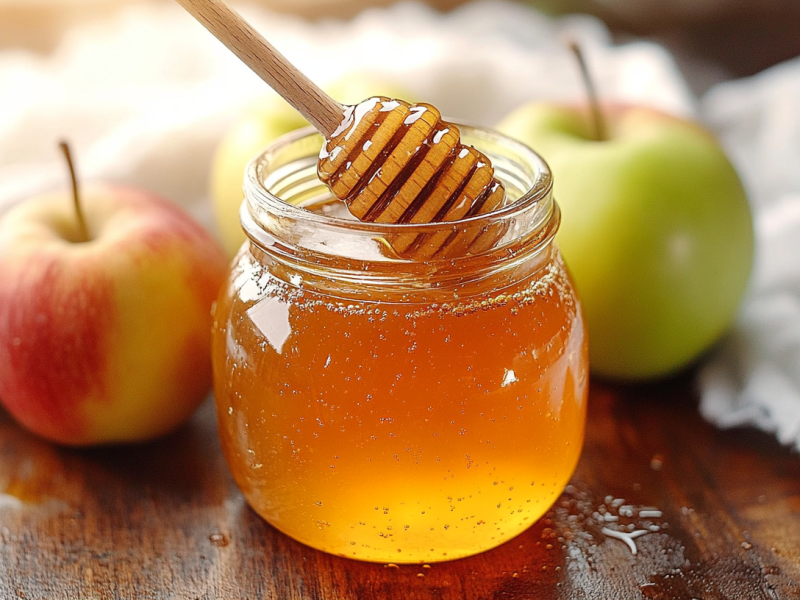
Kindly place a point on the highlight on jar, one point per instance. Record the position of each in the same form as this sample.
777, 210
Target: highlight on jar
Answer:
396, 406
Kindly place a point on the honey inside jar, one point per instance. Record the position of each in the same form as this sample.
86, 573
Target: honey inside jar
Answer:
390, 410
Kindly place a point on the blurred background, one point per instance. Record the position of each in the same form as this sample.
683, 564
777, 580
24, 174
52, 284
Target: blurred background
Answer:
712, 40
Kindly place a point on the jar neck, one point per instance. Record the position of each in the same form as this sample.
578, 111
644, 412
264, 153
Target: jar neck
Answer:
330, 252
435, 280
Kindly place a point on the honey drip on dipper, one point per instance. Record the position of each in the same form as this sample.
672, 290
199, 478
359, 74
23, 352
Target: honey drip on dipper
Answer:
395, 162
389, 161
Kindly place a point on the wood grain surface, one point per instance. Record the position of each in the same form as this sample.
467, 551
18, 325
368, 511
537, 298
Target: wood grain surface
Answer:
720, 511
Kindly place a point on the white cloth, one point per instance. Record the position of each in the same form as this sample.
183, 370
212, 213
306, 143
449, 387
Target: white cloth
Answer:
145, 97
754, 377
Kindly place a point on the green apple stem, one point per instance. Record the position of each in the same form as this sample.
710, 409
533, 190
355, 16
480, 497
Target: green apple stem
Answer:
600, 133
83, 231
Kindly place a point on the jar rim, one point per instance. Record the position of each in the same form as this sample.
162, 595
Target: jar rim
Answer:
539, 191
282, 180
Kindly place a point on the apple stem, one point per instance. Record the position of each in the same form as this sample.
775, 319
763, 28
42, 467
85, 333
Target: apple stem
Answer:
82, 229
591, 92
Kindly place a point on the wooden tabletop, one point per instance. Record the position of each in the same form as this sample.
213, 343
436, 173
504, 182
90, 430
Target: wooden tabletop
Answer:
716, 516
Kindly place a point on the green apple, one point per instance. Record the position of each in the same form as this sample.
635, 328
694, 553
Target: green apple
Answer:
264, 121
356, 86
656, 231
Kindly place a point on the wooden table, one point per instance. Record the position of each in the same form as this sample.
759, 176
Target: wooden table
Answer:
721, 512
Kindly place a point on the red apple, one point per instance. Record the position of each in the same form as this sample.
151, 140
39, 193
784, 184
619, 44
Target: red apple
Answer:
105, 340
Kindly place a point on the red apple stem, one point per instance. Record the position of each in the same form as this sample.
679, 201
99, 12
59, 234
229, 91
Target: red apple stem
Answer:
83, 230
598, 121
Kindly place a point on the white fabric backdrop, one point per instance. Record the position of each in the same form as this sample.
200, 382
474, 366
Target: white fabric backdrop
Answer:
754, 378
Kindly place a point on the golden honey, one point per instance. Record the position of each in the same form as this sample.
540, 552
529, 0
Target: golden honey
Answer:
395, 162
395, 410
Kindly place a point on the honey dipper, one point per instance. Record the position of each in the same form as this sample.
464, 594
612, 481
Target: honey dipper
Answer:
388, 160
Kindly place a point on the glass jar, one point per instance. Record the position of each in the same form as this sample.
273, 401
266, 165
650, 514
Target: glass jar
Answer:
394, 410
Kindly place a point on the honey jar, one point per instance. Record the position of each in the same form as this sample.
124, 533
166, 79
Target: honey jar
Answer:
392, 409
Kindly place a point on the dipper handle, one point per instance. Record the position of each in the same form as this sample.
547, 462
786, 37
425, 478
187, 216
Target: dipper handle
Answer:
228, 26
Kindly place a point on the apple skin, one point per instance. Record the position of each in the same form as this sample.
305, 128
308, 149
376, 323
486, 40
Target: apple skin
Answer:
656, 231
105, 341
265, 120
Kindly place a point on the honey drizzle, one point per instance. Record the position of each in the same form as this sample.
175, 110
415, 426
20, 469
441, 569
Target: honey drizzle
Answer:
456, 188
355, 151
391, 192
396, 186
427, 190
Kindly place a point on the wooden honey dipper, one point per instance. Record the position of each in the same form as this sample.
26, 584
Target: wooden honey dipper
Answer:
388, 160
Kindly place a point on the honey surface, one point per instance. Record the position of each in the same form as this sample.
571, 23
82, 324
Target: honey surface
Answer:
396, 432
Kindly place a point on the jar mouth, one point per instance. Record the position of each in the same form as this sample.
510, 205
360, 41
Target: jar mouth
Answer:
281, 182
